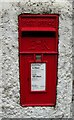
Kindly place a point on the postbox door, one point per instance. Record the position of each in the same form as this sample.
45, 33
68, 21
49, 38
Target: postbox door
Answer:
38, 96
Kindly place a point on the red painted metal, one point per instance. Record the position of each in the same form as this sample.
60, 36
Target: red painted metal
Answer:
38, 34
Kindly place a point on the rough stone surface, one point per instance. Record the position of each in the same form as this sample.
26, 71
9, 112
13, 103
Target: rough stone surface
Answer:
73, 59
10, 84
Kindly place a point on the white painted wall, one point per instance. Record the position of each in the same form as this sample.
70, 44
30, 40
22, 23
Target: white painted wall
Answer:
10, 84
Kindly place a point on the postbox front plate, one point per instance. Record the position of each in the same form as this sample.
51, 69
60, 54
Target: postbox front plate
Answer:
38, 58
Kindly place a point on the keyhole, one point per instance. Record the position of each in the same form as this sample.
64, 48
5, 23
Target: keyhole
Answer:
38, 57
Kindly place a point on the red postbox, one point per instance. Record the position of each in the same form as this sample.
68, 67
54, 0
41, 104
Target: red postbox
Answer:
38, 59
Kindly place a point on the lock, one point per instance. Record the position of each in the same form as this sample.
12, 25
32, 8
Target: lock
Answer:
38, 59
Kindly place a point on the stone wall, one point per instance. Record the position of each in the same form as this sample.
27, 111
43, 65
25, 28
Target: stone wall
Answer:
73, 59
10, 83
